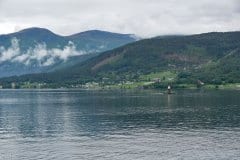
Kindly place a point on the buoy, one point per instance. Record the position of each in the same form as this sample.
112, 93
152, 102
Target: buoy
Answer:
169, 89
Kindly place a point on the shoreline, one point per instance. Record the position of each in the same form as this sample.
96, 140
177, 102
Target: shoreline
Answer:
233, 86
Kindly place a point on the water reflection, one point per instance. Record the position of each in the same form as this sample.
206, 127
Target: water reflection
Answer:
53, 113
50, 117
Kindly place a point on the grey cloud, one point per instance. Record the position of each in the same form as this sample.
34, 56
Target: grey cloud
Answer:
142, 17
39, 54
8, 54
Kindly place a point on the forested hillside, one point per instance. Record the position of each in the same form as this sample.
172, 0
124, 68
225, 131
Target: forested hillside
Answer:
211, 58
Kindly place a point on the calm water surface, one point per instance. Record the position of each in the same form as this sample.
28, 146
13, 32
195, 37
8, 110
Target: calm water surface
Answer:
112, 125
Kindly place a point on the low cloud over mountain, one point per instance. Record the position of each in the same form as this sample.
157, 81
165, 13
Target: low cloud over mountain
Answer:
39, 53
35, 50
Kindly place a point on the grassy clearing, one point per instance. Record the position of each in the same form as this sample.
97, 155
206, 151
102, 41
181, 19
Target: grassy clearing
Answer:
147, 80
166, 76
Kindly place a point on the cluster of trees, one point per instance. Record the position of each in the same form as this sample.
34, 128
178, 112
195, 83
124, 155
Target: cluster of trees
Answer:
211, 58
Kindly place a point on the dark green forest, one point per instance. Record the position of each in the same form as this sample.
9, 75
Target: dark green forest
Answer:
211, 58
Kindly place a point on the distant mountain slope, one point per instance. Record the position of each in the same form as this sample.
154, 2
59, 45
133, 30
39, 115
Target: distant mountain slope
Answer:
152, 55
224, 70
191, 57
37, 50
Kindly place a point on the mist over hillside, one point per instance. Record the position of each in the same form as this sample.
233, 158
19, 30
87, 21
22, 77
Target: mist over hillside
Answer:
209, 58
37, 50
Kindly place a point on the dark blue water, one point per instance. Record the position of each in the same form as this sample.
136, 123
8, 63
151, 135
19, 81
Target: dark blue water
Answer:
109, 125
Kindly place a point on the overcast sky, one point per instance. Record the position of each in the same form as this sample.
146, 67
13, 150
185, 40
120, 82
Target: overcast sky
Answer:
145, 18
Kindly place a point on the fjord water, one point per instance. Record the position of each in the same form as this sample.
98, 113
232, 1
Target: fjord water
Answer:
148, 125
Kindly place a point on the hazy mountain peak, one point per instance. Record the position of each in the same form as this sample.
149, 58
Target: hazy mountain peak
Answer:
39, 50
34, 31
100, 33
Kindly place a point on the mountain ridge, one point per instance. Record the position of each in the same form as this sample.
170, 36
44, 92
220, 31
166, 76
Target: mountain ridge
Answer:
191, 58
39, 46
